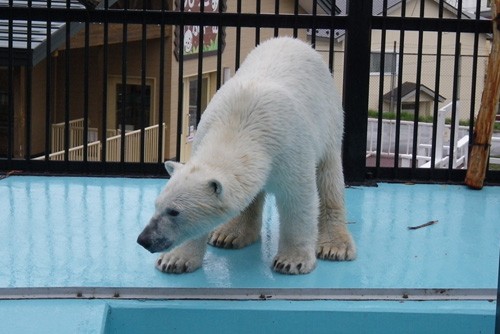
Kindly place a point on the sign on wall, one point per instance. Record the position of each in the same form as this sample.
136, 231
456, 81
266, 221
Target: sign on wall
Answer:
196, 38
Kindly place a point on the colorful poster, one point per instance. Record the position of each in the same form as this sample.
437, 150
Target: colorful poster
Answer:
194, 37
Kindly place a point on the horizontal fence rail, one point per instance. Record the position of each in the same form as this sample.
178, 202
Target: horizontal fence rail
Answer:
410, 72
340, 294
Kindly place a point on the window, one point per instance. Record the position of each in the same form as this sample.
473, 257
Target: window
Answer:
139, 103
390, 65
193, 103
196, 97
135, 111
408, 107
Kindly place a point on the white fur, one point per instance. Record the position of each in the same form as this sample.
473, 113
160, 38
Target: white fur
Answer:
275, 127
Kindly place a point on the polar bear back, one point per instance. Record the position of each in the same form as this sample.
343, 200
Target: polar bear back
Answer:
285, 60
283, 96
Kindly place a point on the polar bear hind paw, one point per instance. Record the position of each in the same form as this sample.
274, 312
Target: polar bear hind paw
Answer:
293, 265
336, 251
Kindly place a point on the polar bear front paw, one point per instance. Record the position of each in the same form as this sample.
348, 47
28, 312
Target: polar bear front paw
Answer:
293, 264
175, 263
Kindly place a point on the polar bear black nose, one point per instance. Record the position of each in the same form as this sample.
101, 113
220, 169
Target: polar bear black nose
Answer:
145, 241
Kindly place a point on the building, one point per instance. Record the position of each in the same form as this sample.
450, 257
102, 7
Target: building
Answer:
91, 74
401, 57
83, 83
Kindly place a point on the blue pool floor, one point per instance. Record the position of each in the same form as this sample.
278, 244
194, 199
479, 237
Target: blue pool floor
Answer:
61, 235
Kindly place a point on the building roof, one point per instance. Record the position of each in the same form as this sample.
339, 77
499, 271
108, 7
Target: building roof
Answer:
324, 6
341, 9
408, 91
24, 53
378, 9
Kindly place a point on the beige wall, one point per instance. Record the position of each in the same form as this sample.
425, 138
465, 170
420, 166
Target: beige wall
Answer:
38, 108
38, 111
170, 92
429, 63
228, 59
248, 42
409, 69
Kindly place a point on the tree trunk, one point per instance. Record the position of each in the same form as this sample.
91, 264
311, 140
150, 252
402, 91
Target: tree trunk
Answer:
483, 131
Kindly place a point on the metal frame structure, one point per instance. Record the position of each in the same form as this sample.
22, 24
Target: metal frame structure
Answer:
359, 22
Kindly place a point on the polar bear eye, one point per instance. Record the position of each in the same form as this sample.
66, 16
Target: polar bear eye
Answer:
172, 212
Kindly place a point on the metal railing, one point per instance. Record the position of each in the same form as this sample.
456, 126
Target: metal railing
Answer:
57, 61
133, 147
76, 129
424, 146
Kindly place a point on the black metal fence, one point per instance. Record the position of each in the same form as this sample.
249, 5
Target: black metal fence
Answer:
116, 87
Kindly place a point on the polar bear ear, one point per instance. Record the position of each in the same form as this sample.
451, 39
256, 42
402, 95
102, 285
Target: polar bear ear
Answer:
216, 186
172, 166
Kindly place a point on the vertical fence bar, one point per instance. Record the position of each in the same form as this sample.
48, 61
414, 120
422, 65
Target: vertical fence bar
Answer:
383, 40
295, 13
124, 83
238, 39
455, 103
456, 90
180, 82
474, 73
397, 135
357, 60
313, 28
86, 93
48, 84
142, 144
161, 102
221, 33
105, 68
439, 44
257, 29
200, 68
10, 91
417, 92
67, 85
29, 87
277, 13
331, 53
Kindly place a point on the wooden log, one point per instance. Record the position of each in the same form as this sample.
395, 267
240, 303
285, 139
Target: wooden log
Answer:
479, 156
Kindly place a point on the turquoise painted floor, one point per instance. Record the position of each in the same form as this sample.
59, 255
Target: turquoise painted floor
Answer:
75, 238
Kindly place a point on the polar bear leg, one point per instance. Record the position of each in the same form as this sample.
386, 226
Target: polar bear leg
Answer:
298, 210
242, 230
185, 258
334, 240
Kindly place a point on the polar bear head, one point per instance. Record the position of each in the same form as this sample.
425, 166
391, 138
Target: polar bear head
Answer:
193, 203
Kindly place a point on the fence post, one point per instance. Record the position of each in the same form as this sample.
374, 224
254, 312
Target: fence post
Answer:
483, 129
356, 88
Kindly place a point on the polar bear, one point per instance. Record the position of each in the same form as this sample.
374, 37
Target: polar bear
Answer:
275, 127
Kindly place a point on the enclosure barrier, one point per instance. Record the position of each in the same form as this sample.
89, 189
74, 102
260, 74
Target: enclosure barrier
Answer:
390, 51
